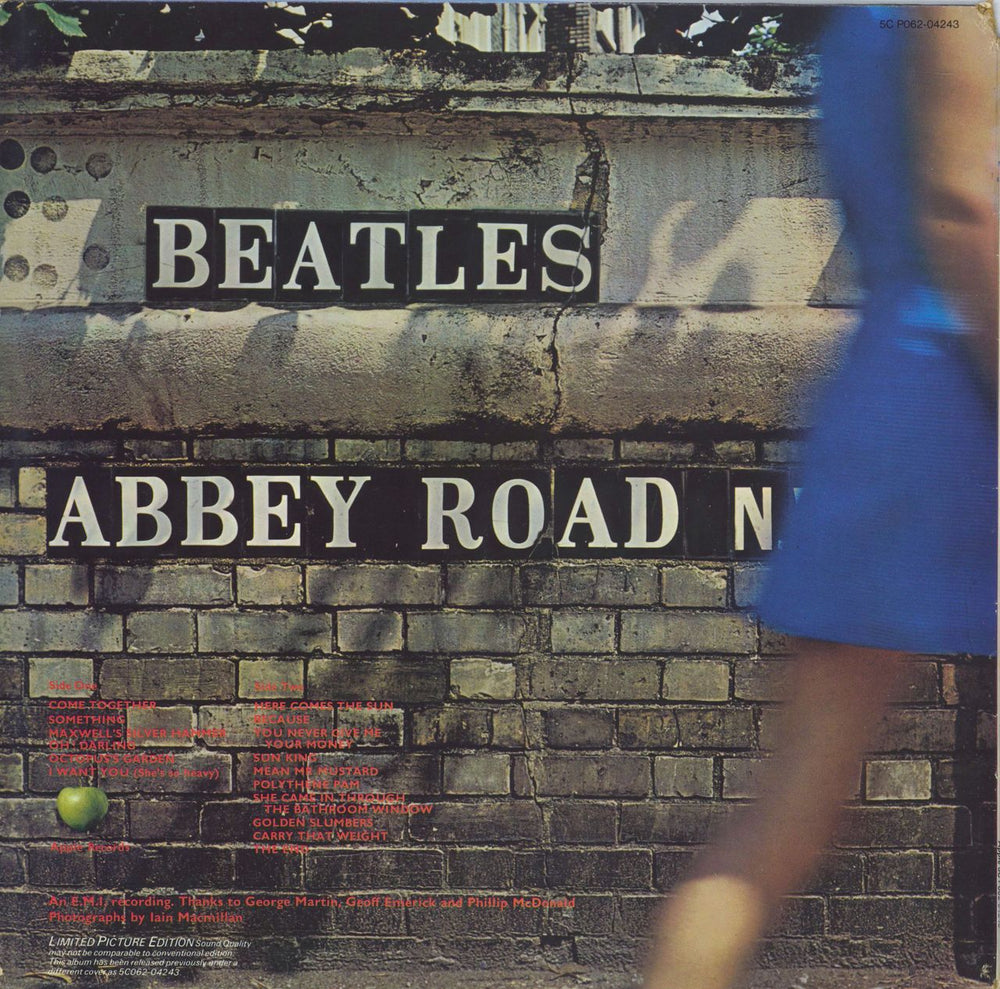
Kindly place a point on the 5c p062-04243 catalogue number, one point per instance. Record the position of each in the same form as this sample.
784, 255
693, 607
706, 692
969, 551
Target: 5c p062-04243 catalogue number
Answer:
917, 22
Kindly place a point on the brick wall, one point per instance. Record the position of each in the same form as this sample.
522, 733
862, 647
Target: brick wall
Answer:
575, 728
566, 729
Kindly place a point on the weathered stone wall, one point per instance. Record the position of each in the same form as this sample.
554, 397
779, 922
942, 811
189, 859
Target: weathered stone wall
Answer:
575, 727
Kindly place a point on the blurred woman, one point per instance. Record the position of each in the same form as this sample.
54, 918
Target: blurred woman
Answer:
891, 548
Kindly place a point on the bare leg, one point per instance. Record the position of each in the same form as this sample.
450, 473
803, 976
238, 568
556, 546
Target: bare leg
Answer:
708, 931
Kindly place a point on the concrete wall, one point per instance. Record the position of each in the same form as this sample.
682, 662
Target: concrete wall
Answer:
697, 307
577, 727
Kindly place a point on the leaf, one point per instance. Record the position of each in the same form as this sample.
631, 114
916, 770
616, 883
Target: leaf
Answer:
63, 23
4, 16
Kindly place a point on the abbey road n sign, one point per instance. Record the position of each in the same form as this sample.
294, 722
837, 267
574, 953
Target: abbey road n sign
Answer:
290, 256
357, 511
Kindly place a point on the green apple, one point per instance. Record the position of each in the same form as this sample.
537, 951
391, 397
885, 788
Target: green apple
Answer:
82, 806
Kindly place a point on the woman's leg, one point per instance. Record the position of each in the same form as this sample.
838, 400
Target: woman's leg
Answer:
709, 928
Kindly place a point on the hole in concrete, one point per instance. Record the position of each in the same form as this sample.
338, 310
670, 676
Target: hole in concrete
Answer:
98, 166
11, 154
45, 276
16, 204
16, 268
96, 257
552, 940
43, 160
54, 208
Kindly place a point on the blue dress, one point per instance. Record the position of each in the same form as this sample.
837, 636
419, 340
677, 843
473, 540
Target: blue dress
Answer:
892, 542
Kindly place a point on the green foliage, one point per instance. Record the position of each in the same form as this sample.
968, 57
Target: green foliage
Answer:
31, 32
727, 29
763, 39
65, 24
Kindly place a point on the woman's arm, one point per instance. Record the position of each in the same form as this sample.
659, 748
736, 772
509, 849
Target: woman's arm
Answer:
952, 91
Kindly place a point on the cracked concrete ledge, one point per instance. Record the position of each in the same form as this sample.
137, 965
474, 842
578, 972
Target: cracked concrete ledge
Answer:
372, 80
485, 371
704, 324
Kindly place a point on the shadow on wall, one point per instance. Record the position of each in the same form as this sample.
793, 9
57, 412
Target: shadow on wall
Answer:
969, 781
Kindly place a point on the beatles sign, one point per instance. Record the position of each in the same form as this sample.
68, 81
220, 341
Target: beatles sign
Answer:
409, 513
293, 256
